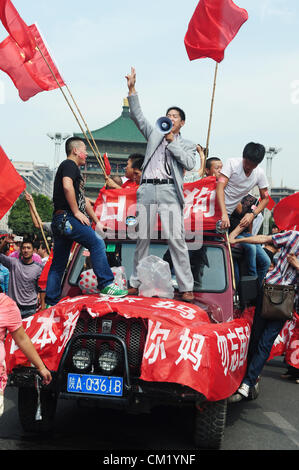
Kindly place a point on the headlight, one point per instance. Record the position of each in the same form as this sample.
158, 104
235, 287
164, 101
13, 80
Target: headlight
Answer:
108, 361
82, 359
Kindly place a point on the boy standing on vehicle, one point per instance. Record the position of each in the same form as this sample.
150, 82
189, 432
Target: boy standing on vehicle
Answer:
71, 223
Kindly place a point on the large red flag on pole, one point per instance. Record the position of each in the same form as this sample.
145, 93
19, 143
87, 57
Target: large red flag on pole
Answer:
286, 213
17, 28
11, 184
32, 76
212, 27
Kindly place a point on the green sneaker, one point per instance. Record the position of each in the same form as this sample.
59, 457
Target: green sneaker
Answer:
113, 291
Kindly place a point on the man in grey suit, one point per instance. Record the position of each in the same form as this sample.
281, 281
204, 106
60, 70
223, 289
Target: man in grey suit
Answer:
161, 190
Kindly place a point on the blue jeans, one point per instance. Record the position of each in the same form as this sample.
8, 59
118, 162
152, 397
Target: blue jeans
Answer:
258, 262
86, 236
263, 335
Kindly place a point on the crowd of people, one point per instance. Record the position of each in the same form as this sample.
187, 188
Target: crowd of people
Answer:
158, 177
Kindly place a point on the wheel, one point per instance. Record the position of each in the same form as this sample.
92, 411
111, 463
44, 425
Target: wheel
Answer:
210, 419
27, 407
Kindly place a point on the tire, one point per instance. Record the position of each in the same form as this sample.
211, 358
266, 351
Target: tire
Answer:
210, 419
27, 406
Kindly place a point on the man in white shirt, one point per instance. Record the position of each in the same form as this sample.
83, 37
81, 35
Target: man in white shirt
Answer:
238, 177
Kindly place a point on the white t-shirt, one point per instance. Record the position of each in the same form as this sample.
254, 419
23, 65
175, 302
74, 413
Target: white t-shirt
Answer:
239, 185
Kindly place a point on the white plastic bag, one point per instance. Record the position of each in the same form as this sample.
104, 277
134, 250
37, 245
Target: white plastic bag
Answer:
155, 278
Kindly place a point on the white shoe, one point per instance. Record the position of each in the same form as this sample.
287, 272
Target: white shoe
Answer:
244, 390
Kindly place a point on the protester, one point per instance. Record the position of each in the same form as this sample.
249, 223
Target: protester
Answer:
257, 260
71, 223
35, 256
4, 278
214, 167
43, 252
137, 169
11, 322
161, 189
238, 177
23, 279
128, 182
264, 332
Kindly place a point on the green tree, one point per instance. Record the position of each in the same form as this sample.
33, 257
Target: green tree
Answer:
20, 221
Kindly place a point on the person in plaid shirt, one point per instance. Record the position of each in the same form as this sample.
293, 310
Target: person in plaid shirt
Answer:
264, 332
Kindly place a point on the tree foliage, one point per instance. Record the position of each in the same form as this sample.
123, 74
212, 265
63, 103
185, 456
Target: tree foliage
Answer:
20, 221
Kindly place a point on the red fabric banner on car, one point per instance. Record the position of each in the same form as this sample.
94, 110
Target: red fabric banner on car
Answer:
201, 211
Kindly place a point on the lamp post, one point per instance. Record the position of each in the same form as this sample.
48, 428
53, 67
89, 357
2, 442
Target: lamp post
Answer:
271, 152
58, 139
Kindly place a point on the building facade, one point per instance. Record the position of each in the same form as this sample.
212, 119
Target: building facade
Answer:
37, 176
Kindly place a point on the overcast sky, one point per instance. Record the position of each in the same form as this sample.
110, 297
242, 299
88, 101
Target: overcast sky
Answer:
95, 43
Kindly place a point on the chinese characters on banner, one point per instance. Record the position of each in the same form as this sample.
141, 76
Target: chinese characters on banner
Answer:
201, 211
182, 345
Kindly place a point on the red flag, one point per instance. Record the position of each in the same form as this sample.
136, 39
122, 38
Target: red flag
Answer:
11, 184
212, 27
17, 28
107, 164
33, 76
286, 213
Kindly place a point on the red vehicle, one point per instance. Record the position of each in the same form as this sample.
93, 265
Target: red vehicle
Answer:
137, 352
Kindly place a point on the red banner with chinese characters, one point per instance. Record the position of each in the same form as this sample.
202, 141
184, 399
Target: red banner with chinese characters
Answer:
201, 211
287, 342
182, 345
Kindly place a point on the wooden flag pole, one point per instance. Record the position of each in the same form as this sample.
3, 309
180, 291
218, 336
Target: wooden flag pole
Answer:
210, 119
98, 157
84, 122
39, 221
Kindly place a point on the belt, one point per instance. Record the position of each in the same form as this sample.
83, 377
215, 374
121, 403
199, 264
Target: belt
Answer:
158, 181
60, 212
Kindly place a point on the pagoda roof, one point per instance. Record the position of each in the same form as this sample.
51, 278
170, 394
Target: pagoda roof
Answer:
122, 129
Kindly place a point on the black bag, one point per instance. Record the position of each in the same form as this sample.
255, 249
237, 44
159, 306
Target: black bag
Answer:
278, 302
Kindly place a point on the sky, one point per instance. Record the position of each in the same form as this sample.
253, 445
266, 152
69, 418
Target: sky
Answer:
95, 43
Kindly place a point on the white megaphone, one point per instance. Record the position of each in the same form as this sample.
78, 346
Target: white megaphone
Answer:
164, 125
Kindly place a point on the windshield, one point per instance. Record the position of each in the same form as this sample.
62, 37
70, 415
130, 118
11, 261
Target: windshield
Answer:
207, 264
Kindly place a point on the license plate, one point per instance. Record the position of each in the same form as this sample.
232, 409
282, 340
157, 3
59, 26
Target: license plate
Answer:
95, 384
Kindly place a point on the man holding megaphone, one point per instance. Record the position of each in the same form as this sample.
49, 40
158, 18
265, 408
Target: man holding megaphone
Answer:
167, 156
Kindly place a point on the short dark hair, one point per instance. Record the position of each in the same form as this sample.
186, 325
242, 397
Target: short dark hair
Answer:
179, 110
137, 163
135, 156
69, 144
254, 152
211, 160
27, 240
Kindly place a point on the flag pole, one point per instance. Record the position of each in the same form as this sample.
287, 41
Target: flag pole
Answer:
210, 119
98, 157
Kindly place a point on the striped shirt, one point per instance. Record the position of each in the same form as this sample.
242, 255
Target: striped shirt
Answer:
283, 273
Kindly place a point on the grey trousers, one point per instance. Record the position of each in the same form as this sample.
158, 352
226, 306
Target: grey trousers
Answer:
162, 199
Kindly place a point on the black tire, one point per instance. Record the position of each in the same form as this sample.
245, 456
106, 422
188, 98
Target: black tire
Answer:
210, 419
27, 406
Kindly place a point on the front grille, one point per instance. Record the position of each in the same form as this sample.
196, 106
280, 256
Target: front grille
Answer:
131, 330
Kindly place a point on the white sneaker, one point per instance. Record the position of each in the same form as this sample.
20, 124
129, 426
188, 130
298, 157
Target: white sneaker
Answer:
244, 390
